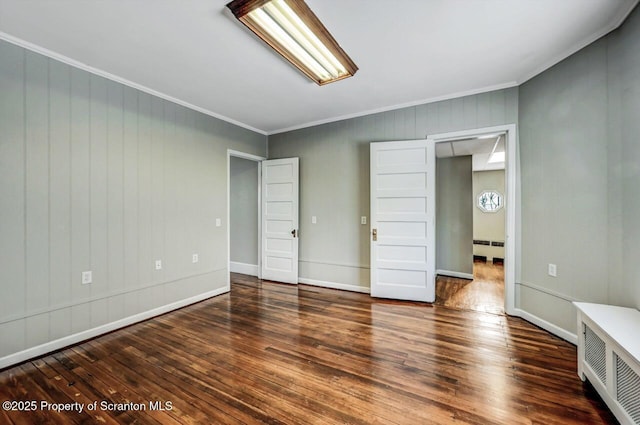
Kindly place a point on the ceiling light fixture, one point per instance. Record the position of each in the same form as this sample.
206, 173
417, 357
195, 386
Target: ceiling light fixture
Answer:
294, 31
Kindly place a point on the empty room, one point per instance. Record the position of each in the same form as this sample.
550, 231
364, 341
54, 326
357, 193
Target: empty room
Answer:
319, 211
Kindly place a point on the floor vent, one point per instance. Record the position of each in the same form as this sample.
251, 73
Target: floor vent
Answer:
628, 389
595, 353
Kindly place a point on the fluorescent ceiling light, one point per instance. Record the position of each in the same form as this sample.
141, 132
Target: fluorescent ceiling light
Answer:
496, 157
294, 31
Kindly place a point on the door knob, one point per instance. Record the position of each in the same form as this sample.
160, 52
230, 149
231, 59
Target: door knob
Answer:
293, 232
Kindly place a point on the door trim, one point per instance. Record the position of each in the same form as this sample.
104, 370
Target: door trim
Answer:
258, 159
512, 203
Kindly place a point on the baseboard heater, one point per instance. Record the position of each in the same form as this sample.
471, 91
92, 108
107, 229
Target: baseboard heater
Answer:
488, 243
609, 356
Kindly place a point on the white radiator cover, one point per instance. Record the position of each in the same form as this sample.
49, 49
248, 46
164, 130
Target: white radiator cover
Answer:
609, 356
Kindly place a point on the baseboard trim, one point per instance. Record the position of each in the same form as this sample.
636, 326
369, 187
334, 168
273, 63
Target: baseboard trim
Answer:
455, 274
57, 344
334, 285
244, 268
547, 326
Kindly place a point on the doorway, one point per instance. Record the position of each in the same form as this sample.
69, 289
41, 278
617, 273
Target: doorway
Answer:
488, 283
244, 173
262, 217
471, 225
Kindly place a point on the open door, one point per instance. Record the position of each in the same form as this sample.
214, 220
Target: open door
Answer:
280, 220
403, 220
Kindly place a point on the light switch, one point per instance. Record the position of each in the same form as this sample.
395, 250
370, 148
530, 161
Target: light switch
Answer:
194, 258
363, 219
314, 220
218, 222
553, 271
158, 264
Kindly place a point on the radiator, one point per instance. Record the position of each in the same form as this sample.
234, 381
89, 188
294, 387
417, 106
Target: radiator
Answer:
609, 356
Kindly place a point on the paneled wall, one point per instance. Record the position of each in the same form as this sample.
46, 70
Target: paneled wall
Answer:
98, 176
623, 82
578, 154
563, 145
579, 133
334, 176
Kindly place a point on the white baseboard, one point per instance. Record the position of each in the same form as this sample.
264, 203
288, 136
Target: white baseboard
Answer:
547, 326
244, 268
334, 285
455, 274
57, 344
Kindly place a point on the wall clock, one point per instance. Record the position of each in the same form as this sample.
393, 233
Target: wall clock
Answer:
490, 201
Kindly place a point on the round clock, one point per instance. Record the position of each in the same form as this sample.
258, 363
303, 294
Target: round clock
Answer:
490, 201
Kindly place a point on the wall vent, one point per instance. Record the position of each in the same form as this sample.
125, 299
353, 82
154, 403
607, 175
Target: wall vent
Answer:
595, 353
628, 389
481, 242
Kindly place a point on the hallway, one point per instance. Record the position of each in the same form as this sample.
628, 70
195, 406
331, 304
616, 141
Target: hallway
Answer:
484, 293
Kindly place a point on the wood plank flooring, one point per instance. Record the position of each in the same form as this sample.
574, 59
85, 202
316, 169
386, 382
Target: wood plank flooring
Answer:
279, 354
484, 293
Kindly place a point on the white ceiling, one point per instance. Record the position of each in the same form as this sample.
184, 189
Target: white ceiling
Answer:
408, 51
480, 150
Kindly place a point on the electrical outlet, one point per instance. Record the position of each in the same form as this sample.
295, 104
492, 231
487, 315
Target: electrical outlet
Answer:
194, 258
363, 219
218, 222
158, 264
314, 220
553, 270
87, 277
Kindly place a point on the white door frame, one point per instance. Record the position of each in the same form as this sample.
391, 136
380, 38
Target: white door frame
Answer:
258, 159
512, 202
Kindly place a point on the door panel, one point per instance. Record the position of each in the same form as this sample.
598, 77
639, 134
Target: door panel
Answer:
402, 218
280, 220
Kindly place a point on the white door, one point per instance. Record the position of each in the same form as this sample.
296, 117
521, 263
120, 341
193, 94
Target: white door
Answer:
403, 220
280, 220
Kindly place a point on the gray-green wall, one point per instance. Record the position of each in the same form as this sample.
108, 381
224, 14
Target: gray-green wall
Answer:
244, 211
334, 176
454, 216
580, 150
578, 133
98, 176
623, 82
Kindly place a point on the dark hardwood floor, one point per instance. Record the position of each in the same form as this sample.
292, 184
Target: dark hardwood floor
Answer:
280, 354
484, 293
